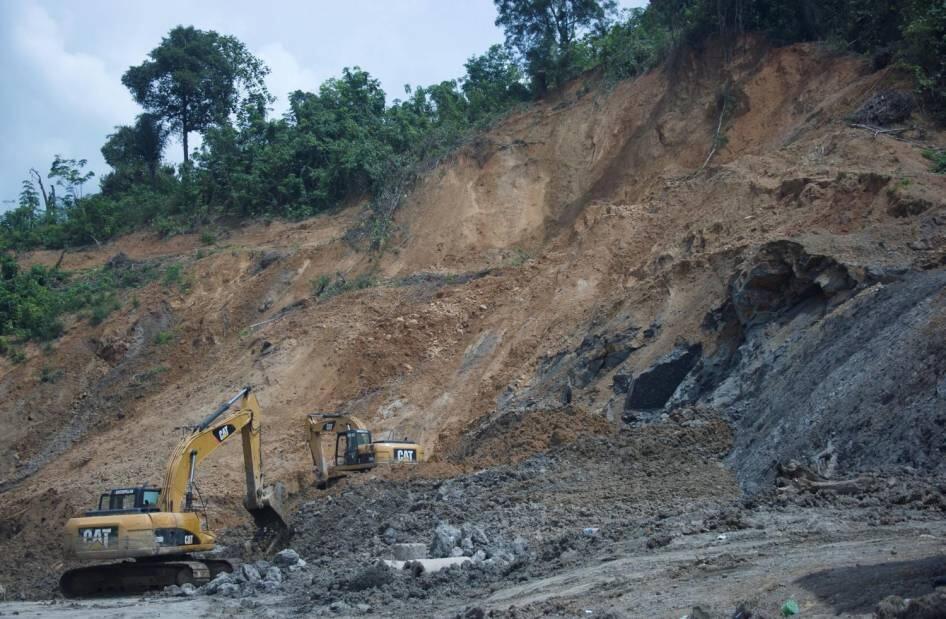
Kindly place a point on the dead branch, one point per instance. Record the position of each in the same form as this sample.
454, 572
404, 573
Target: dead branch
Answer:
842, 486
878, 130
893, 134
289, 309
719, 128
59, 262
716, 137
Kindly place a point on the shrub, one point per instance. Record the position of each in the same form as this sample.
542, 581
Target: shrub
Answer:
174, 277
938, 159
324, 288
102, 310
163, 338
319, 284
50, 375
33, 301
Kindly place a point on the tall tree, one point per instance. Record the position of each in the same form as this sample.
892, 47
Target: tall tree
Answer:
134, 153
543, 32
49, 200
29, 201
493, 82
195, 79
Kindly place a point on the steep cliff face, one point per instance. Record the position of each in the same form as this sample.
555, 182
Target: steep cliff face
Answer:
584, 255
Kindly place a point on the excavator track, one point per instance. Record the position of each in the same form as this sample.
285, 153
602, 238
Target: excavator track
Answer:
126, 577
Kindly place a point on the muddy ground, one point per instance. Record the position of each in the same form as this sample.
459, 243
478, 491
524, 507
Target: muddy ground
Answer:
840, 569
644, 522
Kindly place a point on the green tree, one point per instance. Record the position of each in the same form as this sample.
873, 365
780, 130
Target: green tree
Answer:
134, 153
924, 34
675, 15
29, 202
138, 146
195, 79
493, 82
70, 177
338, 135
17, 225
544, 32
633, 45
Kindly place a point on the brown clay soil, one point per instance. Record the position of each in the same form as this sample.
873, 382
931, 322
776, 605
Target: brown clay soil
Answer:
585, 211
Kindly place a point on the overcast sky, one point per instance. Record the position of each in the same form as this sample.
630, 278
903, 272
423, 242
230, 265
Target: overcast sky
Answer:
62, 60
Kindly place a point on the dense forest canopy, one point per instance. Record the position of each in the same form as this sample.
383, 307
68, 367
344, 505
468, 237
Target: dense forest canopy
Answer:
345, 142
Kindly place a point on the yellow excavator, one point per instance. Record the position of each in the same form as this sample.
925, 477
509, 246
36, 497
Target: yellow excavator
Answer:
153, 531
352, 448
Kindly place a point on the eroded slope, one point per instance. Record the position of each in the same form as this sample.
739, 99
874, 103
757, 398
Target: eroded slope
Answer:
576, 256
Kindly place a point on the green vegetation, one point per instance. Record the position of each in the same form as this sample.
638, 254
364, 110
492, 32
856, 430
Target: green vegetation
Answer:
50, 375
937, 158
545, 34
324, 287
195, 80
32, 301
344, 142
103, 308
163, 337
320, 284
174, 277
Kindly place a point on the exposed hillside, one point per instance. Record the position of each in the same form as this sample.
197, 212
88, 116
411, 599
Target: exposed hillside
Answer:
575, 271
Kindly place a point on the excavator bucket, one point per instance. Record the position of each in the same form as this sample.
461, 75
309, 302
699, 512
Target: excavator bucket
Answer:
269, 514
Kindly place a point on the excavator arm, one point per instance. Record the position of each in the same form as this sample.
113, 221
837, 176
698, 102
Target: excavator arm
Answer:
265, 504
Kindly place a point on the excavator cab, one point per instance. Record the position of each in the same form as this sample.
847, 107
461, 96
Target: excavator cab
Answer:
127, 501
353, 447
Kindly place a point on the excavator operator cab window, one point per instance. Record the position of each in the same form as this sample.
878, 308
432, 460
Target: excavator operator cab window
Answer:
149, 497
346, 446
341, 448
123, 500
126, 500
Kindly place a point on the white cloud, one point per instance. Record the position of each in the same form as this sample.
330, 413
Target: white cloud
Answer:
286, 73
78, 81
41, 149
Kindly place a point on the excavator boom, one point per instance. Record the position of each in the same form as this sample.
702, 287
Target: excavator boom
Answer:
264, 504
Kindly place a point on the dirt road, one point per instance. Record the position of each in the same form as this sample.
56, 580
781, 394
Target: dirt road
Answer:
837, 569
